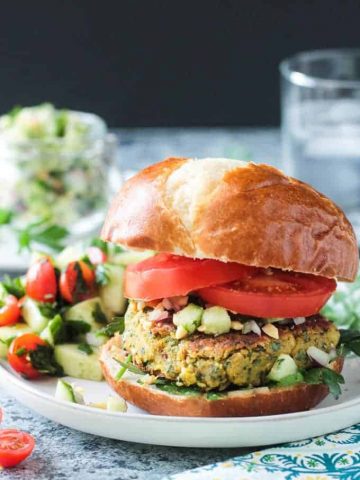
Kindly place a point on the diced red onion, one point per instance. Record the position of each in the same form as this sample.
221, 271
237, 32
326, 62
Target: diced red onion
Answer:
157, 315
319, 356
181, 300
166, 303
251, 326
299, 320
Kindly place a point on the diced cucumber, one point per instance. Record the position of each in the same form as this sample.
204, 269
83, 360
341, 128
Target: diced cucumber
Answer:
96, 339
111, 294
189, 318
77, 363
7, 333
32, 315
69, 254
64, 391
53, 330
87, 311
284, 366
116, 404
215, 321
129, 257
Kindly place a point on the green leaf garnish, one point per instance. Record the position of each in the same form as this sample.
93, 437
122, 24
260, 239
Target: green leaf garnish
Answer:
5, 216
127, 365
8, 341
98, 315
326, 376
173, 389
291, 380
86, 348
97, 242
42, 233
76, 327
43, 360
13, 286
21, 352
117, 325
47, 309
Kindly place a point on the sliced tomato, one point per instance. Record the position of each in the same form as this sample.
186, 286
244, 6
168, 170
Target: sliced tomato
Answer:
41, 282
18, 355
275, 295
10, 311
166, 275
15, 447
77, 282
96, 255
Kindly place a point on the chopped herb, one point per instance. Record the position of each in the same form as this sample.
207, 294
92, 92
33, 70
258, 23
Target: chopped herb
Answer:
117, 249
128, 366
8, 341
86, 348
275, 346
172, 388
325, 376
117, 325
124, 366
215, 395
13, 286
76, 327
22, 351
47, 310
81, 286
97, 242
57, 329
42, 359
102, 274
61, 122
98, 315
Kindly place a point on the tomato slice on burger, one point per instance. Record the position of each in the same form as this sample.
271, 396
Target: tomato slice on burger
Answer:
275, 295
41, 282
166, 275
77, 282
9, 311
18, 355
15, 447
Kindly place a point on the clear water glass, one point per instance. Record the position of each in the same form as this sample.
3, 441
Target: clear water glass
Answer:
320, 95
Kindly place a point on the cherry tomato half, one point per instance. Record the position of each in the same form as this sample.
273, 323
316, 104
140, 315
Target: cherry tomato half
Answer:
96, 255
18, 355
10, 311
15, 447
77, 282
166, 275
41, 282
278, 295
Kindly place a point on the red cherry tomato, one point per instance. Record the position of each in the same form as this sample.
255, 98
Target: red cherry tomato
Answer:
96, 255
166, 275
77, 282
41, 282
15, 447
10, 312
278, 295
18, 355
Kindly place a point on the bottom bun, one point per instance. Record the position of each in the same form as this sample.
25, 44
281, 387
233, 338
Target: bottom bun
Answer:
236, 403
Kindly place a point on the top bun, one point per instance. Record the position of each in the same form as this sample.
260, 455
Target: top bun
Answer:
233, 211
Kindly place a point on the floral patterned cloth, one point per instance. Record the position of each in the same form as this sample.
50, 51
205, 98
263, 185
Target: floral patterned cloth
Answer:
329, 457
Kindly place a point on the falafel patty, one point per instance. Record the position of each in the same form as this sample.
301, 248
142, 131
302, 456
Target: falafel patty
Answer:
217, 362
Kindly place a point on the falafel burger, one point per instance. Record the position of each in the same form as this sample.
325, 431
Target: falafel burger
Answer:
224, 319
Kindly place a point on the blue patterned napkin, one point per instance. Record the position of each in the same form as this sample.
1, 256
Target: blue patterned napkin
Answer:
329, 457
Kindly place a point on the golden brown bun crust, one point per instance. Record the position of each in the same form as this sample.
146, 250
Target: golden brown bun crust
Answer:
256, 402
233, 211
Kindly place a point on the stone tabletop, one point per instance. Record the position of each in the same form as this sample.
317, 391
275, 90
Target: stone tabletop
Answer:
62, 453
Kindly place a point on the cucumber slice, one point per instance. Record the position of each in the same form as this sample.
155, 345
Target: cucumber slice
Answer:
111, 294
129, 257
284, 366
69, 254
6, 333
53, 330
215, 321
32, 315
116, 404
77, 363
189, 318
87, 311
64, 391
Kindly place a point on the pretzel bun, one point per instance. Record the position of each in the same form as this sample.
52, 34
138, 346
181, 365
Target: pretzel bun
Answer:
233, 211
238, 403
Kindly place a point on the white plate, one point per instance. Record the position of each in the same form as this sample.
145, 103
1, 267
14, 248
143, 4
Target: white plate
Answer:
138, 426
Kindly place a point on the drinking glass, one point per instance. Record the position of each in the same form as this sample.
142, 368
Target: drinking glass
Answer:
320, 96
